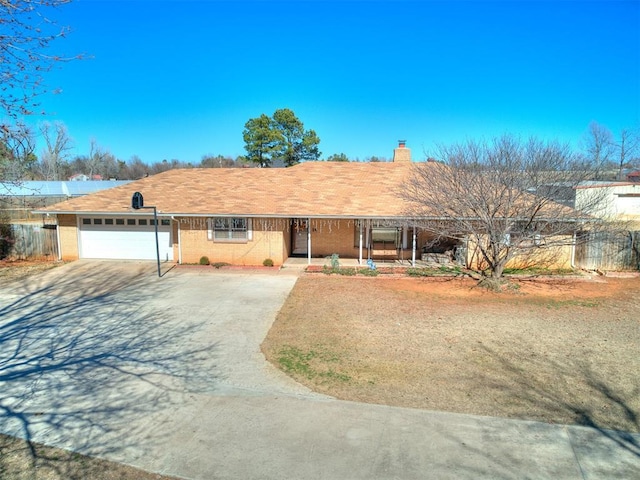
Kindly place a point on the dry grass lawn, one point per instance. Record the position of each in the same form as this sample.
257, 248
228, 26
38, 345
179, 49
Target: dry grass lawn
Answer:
560, 351
19, 461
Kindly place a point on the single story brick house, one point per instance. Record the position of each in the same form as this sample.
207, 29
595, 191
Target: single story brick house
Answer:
245, 215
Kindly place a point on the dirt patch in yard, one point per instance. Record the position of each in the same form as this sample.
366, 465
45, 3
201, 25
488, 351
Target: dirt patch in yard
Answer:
21, 461
557, 350
11, 270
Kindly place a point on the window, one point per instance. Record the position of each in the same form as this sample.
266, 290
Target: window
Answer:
131, 221
229, 229
165, 221
387, 237
527, 240
97, 221
86, 221
108, 221
142, 221
152, 222
119, 221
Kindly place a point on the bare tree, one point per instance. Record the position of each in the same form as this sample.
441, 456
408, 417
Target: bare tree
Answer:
217, 161
627, 148
28, 29
16, 152
135, 169
599, 145
101, 162
503, 199
57, 149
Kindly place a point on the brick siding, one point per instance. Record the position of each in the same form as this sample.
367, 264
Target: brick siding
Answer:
68, 232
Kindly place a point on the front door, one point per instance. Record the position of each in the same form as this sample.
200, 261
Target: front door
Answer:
299, 241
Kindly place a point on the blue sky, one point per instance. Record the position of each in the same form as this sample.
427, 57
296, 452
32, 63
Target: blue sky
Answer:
179, 79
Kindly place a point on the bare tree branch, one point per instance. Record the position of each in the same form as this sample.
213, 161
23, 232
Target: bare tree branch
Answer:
503, 199
26, 32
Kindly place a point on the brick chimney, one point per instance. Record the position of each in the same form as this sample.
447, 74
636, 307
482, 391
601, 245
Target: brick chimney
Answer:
402, 153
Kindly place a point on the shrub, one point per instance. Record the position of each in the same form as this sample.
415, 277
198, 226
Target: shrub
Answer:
267, 262
367, 272
220, 264
348, 271
335, 261
7, 237
433, 271
204, 260
419, 272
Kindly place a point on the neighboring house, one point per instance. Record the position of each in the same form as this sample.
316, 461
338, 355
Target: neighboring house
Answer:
81, 177
244, 216
618, 248
619, 201
634, 176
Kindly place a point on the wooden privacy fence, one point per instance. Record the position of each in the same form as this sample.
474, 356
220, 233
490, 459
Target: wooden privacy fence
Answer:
608, 251
31, 241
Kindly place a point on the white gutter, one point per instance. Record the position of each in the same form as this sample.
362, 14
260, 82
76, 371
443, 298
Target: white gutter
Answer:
103, 213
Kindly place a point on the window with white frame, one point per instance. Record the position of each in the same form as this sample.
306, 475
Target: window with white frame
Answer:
230, 229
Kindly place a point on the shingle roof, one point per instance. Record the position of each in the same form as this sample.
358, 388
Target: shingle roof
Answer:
312, 189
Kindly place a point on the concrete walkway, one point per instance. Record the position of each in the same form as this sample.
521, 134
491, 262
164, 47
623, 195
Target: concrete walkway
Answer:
166, 374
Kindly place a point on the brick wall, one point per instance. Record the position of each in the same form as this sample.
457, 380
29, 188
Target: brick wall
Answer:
68, 232
333, 236
266, 242
555, 256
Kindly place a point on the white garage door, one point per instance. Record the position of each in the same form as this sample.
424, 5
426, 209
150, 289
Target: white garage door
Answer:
124, 238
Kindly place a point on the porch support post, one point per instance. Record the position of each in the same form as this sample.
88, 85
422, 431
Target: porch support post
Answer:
413, 248
308, 241
360, 244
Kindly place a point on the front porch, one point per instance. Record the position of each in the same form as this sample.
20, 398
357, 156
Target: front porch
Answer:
312, 241
302, 263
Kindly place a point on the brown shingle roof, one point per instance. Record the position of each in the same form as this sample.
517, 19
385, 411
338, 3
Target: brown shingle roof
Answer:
312, 189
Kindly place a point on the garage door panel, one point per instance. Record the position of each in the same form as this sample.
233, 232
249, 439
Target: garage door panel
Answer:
125, 242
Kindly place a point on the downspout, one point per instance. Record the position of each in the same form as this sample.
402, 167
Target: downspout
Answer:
308, 241
58, 238
78, 236
573, 251
179, 241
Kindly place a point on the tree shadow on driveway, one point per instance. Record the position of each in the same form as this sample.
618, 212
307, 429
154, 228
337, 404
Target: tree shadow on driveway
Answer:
86, 356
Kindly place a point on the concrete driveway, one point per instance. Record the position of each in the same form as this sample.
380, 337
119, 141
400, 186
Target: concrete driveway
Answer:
166, 374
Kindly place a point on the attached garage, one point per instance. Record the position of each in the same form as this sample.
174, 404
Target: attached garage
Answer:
124, 238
